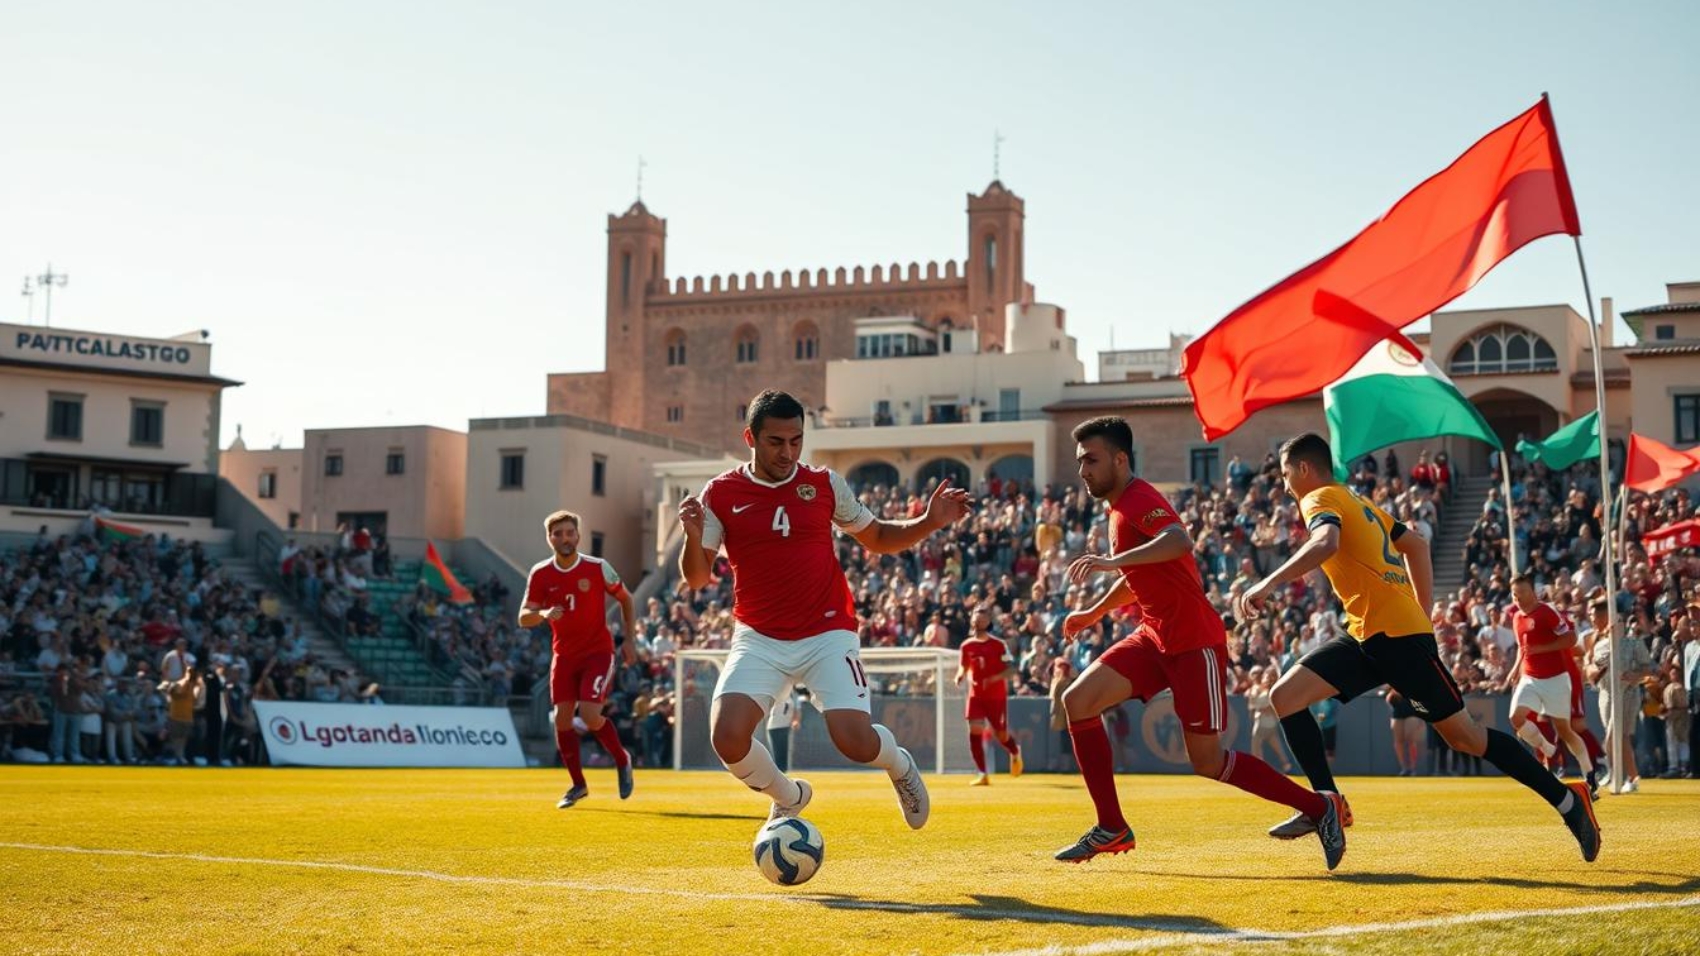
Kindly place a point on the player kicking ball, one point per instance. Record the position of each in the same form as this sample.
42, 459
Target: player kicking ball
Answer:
1180, 645
987, 667
795, 616
1380, 572
1545, 642
570, 591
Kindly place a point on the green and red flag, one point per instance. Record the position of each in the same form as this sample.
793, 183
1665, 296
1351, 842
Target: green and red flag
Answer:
112, 532
439, 578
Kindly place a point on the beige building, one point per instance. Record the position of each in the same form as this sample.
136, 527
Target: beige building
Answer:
95, 418
1665, 365
270, 478
402, 482
518, 470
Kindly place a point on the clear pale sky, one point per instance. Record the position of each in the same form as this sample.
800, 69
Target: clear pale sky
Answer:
393, 212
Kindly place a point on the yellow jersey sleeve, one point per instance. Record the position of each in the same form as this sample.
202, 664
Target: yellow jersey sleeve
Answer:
1368, 574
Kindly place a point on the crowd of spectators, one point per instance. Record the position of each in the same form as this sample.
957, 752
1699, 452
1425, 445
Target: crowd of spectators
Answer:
134, 650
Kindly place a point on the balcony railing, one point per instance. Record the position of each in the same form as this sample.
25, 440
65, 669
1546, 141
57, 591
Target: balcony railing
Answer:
923, 418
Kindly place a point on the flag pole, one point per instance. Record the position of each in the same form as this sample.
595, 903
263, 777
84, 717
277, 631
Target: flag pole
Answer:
1510, 513
1615, 730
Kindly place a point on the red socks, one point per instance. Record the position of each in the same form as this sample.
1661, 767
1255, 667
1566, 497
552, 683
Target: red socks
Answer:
977, 747
1097, 766
1255, 777
566, 741
609, 738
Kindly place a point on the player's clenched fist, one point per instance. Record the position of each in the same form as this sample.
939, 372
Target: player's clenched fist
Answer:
1076, 622
690, 516
948, 504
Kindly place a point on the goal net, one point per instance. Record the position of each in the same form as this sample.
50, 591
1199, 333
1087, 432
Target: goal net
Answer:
912, 693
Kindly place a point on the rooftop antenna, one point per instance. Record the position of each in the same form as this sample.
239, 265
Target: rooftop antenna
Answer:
48, 280
997, 145
29, 297
641, 165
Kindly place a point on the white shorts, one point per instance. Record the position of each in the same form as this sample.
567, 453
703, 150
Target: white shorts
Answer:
1547, 696
828, 664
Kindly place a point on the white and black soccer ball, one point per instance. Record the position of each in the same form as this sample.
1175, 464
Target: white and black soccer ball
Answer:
789, 850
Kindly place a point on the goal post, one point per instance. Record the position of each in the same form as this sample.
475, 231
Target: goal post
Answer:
912, 693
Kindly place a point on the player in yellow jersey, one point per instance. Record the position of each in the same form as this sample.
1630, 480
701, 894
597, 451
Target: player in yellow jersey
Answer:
1381, 573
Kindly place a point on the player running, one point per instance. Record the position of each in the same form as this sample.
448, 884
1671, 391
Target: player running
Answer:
1180, 645
1381, 573
570, 591
987, 666
796, 619
1545, 641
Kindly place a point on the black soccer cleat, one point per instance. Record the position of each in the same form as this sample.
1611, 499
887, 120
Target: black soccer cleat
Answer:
625, 775
1580, 819
1097, 840
572, 796
1330, 831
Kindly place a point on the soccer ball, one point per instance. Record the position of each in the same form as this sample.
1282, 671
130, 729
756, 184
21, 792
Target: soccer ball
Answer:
789, 850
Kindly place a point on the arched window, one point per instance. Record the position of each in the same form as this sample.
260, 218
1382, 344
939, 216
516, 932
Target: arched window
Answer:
1503, 348
747, 340
991, 261
675, 347
947, 330
871, 474
805, 341
942, 469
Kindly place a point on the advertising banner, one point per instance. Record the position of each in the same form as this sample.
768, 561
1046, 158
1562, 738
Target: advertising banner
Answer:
362, 735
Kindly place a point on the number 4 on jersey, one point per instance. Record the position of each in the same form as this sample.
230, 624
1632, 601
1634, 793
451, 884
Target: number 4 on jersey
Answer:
782, 522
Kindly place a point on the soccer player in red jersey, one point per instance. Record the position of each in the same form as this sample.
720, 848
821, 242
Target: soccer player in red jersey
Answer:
796, 619
571, 590
1545, 641
987, 666
1180, 645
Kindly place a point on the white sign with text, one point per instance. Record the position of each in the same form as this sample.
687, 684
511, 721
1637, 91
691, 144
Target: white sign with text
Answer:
362, 735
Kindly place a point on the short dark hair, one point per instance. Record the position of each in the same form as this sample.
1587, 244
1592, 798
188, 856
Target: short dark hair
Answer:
1112, 428
771, 403
1310, 447
1524, 577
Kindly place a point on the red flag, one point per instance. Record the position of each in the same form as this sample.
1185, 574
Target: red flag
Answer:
1655, 466
1432, 246
439, 578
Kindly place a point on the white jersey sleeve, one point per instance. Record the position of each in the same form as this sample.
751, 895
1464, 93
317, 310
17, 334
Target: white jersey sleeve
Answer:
713, 532
848, 512
610, 577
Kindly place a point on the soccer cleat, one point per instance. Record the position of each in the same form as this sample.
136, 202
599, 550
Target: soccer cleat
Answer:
1097, 840
1580, 819
912, 793
1632, 785
1330, 831
1299, 825
1593, 782
805, 794
625, 775
1015, 764
980, 780
572, 796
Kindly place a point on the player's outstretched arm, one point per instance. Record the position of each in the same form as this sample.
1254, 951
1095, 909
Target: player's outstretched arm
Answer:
1118, 596
1170, 543
945, 508
1323, 542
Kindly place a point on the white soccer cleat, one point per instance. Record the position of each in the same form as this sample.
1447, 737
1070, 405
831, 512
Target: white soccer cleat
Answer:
912, 794
806, 793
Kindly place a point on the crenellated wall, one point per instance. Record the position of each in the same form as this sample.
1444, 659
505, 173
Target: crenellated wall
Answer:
858, 279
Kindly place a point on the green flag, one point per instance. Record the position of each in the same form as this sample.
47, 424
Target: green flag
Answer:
1391, 396
1574, 442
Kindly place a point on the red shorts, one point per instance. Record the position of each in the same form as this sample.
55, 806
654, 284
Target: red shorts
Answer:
581, 678
992, 710
1198, 677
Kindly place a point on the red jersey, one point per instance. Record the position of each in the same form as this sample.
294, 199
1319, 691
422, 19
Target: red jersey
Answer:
983, 660
787, 583
581, 590
1543, 625
1169, 595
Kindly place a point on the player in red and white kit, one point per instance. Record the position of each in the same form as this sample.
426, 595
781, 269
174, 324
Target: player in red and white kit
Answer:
796, 619
1578, 719
571, 591
1180, 645
987, 666
1545, 641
